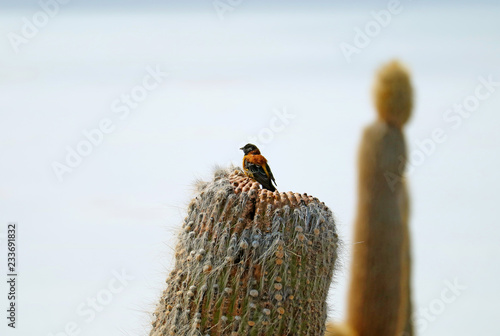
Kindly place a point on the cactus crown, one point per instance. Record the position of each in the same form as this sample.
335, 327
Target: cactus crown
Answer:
249, 262
393, 94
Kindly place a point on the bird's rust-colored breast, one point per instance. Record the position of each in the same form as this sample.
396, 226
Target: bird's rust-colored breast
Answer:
256, 159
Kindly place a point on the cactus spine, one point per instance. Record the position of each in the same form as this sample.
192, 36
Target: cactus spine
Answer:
379, 298
249, 262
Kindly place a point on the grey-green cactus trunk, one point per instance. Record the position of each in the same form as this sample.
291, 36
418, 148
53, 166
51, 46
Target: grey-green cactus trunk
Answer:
249, 262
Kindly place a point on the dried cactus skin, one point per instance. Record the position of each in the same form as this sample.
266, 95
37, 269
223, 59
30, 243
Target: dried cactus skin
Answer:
249, 262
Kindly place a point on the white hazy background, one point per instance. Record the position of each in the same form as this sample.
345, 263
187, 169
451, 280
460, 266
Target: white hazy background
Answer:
120, 209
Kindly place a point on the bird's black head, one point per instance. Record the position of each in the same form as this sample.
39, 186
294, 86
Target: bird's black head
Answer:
248, 148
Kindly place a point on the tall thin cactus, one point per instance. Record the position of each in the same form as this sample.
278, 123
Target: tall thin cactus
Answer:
379, 299
249, 262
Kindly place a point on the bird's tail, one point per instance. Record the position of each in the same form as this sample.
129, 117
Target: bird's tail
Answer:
269, 186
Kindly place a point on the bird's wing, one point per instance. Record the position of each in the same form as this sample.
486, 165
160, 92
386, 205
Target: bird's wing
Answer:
270, 174
256, 170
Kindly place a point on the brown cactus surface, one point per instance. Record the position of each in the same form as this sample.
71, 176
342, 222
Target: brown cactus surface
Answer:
406, 308
249, 262
339, 329
379, 298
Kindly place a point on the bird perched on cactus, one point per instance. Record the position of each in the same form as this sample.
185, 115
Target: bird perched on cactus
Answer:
256, 167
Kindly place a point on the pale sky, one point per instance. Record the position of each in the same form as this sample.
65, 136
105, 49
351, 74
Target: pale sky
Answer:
219, 83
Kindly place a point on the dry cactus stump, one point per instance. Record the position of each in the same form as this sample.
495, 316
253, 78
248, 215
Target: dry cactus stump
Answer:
249, 262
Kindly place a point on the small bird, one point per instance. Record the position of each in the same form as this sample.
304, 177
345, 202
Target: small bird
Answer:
256, 167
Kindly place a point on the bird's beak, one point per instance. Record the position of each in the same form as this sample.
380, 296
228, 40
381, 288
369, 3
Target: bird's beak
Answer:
242, 148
